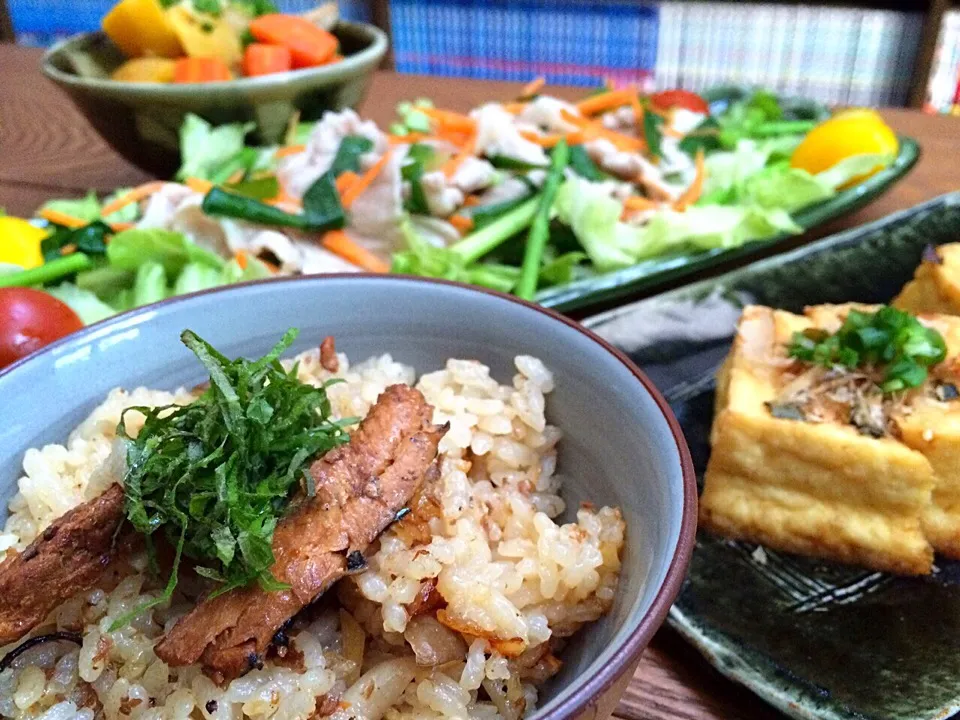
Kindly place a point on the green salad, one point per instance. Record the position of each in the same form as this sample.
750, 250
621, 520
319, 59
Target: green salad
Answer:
520, 197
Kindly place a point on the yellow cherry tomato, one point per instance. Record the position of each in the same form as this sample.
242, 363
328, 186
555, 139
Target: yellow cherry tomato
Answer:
20, 242
851, 132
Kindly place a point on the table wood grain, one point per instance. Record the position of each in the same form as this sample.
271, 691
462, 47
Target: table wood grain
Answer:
48, 150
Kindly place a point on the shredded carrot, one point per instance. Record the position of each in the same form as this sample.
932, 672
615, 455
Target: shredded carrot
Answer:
453, 164
117, 227
198, 185
283, 199
550, 140
456, 138
693, 192
671, 131
592, 128
450, 120
471, 201
288, 150
363, 182
607, 101
235, 177
409, 138
68, 249
59, 218
637, 109
462, 223
135, 195
635, 202
345, 180
339, 243
533, 87
515, 108
241, 258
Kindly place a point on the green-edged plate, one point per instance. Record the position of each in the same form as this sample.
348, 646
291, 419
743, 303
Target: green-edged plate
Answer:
814, 639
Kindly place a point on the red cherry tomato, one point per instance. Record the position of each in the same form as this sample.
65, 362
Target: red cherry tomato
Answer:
680, 98
30, 319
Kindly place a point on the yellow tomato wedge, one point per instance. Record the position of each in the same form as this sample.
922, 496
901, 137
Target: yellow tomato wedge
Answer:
146, 69
203, 35
850, 132
140, 27
20, 242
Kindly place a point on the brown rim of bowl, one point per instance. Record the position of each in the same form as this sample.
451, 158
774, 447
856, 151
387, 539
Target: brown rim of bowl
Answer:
631, 649
371, 54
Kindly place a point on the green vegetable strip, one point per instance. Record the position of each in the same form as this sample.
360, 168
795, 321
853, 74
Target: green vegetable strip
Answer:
484, 214
540, 229
219, 202
783, 127
477, 244
48, 272
260, 189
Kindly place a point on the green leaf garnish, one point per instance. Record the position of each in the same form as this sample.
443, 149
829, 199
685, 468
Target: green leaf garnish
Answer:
888, 339
215, 476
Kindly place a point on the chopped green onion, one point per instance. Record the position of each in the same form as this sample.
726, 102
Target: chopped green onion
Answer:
540, 229
48, 272
888, 339
477, 244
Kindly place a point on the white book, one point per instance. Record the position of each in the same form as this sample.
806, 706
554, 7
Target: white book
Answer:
669, 38
864, 89
795, 80
782, 21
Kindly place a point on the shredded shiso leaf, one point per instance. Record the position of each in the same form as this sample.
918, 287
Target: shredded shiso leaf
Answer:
214, 477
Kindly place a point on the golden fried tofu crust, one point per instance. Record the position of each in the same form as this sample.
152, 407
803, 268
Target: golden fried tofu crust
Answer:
815, 488
935, 287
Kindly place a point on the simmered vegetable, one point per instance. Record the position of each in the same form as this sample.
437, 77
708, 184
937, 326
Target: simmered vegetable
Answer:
146, 69
142, 27
205, 36
309, 45
201, 69
152, 31
262, 59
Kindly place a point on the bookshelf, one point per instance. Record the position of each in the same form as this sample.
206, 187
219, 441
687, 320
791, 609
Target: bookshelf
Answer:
933, 13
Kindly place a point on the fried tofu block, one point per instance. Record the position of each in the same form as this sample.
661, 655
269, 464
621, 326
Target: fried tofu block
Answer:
935, 287
815, 488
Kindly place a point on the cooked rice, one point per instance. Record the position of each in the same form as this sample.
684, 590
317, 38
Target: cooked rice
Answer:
515, 583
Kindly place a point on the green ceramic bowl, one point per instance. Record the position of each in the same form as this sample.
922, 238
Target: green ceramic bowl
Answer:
141, 120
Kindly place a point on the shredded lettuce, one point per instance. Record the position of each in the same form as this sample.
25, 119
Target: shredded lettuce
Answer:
757, 173
130, 249
205, 148
710, 227
594, 217
88, 207
88, 307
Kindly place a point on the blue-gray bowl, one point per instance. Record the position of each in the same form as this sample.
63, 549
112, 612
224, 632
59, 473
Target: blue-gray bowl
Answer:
622, 446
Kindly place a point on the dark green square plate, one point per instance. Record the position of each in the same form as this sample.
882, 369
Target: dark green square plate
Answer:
814, 639
650, 274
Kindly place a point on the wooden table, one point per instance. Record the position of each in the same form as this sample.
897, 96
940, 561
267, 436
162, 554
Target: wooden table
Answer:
48, 150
